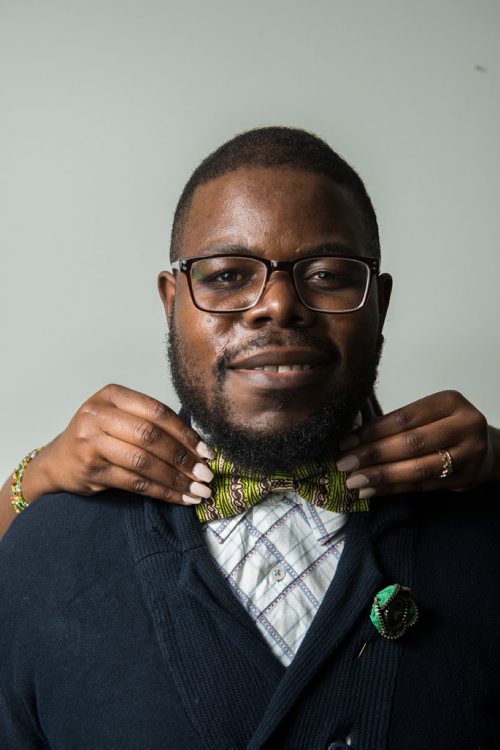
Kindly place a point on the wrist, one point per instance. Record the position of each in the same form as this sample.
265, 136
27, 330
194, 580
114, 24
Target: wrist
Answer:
37, 479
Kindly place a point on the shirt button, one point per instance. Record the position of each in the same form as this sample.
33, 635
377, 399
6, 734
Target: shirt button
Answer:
278, 572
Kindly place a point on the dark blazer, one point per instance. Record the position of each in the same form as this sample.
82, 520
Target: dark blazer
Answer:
118, 631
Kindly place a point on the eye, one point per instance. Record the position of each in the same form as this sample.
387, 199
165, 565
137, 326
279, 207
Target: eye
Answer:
324, 275
228, 277
225, 277
327, 279
333, 274
234, 277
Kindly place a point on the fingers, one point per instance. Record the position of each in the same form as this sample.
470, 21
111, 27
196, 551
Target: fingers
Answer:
400, 452
152, 445
154, 412
121, 438
410, 444
413, 475
123, 479
133, 469
428, 409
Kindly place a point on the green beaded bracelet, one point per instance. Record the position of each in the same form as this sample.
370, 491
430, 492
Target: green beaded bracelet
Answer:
19, 502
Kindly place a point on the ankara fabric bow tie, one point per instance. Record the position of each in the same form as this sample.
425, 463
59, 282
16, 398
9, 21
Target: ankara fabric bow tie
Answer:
234, 490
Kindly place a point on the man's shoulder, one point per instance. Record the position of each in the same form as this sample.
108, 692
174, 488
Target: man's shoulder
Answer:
64, 536
63, 516
479, 506
448, 525
59, 537
458, 532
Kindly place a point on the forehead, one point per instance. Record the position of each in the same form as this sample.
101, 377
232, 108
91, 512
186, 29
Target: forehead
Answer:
276, 212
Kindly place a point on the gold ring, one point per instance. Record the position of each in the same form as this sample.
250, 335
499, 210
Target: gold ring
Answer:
447, 464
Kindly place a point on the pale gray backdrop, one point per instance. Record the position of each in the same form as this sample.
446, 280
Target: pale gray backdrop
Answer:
107, 105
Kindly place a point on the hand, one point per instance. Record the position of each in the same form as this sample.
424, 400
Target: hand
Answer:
399, 452
124, 439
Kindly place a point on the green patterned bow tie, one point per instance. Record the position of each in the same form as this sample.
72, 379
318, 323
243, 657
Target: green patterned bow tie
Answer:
235, 490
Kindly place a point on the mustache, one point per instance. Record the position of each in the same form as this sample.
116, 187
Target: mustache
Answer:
274, 338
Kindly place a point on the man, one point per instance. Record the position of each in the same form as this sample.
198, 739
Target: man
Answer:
248, 621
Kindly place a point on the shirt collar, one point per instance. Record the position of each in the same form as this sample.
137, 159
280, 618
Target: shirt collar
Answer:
324, 523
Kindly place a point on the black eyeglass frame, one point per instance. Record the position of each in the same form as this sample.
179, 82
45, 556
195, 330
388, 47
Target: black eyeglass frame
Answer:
184, 266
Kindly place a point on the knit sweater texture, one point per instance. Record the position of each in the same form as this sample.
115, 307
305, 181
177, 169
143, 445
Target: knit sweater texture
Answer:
119, 631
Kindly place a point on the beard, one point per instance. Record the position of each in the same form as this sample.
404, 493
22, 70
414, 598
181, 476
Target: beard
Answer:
312, 437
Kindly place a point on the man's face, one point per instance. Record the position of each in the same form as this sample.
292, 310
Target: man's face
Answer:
280, 214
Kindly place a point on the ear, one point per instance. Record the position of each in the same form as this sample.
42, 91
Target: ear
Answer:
166, 287
384, 285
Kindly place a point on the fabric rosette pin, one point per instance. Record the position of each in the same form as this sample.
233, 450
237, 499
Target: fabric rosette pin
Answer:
393, 611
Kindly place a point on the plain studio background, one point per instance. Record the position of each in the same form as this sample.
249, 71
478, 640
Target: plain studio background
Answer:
108, 105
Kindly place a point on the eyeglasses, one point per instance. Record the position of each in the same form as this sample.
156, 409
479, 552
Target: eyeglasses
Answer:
234, 283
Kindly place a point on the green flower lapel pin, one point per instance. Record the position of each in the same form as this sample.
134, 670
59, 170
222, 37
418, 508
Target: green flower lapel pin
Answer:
393, 611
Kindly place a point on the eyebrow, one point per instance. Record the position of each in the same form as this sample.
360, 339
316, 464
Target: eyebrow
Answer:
325, 248
228, 249
329, 248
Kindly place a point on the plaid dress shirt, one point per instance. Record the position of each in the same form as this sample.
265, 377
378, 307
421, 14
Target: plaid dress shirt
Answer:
279, 558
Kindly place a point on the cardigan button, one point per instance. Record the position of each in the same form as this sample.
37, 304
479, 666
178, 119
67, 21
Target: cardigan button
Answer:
339, 746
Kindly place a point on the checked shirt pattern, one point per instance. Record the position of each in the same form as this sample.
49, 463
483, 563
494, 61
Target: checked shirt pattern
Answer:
279, 558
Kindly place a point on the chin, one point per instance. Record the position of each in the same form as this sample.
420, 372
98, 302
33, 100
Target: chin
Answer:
273, 441
268, 424
276, 409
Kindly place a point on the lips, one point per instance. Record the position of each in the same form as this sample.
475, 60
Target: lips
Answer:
284, 368
280, 360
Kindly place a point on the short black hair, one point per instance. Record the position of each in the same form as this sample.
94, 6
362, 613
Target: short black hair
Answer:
276, 147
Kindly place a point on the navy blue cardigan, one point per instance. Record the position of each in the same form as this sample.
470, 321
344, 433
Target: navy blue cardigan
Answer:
118, 631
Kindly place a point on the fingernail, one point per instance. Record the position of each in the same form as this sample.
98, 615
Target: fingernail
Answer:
348, 442
195, 488
201, 471
357, 481
348, 463
367, 492
204, 451
191, 500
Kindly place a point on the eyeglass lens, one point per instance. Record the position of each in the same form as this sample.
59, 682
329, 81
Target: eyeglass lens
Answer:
233, 283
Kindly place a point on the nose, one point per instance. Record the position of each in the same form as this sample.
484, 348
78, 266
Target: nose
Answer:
280, 304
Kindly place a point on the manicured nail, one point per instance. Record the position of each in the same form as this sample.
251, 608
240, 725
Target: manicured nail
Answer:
367, 492
348, 463
191, 500
357, 481
204, 451
348, 442
201, 471
195, 488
